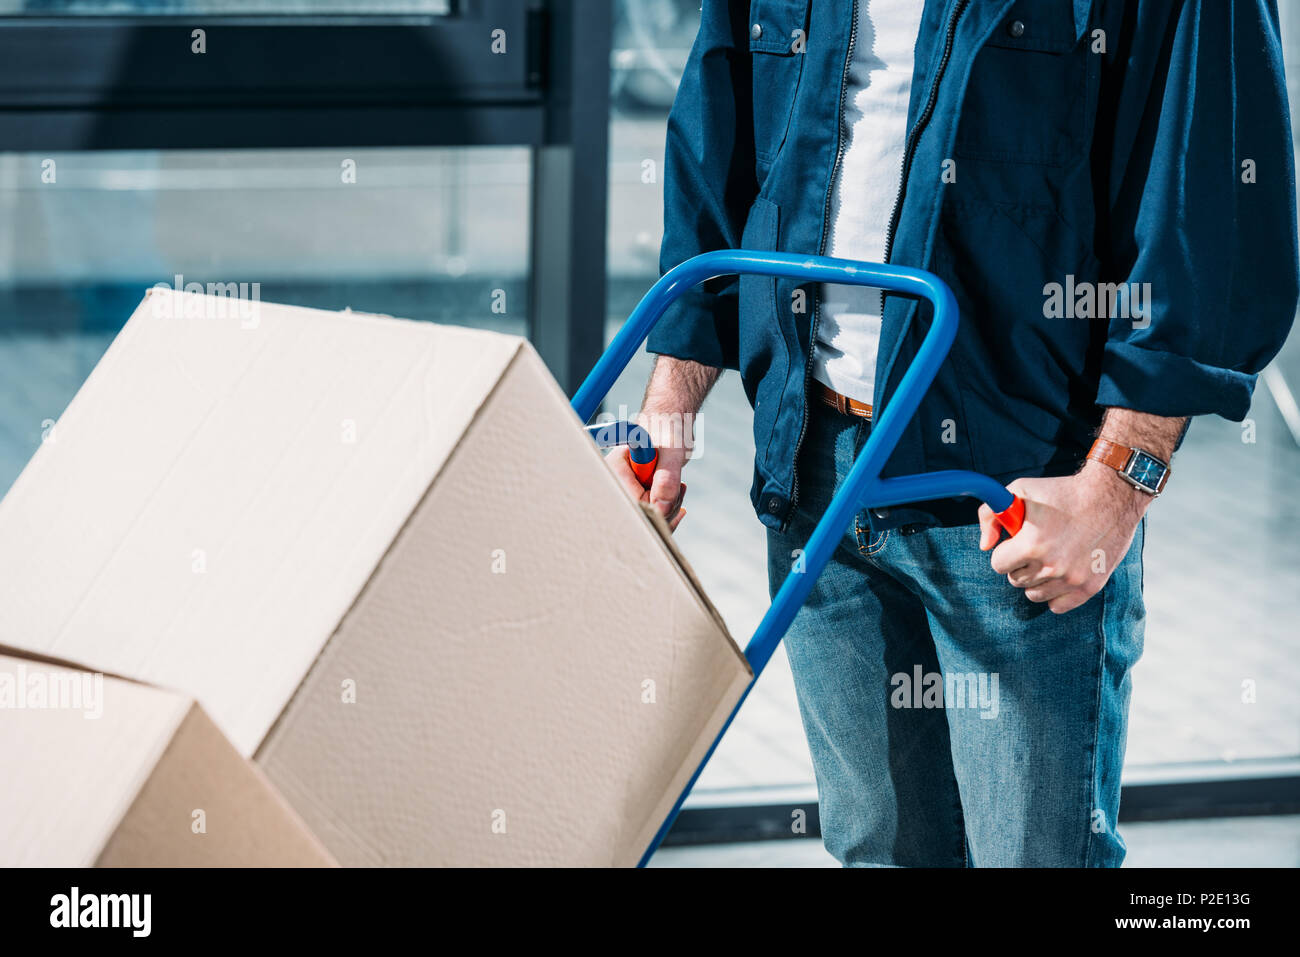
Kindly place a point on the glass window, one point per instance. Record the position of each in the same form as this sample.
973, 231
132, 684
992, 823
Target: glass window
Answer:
215, 8
437, 234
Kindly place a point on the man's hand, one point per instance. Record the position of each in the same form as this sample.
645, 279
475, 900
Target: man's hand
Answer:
674, 394
1078, 528
666, 490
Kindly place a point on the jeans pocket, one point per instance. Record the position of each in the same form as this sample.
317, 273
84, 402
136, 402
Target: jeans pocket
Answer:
869, 544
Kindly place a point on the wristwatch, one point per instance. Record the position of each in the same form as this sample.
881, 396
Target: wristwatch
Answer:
1138, 467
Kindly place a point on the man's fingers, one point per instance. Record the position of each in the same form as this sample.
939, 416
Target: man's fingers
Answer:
622, 469
990, 530
1027, 575
1068, 602
618, 463
673, 510
1048, 591
676, 519
1011, 554
665, 489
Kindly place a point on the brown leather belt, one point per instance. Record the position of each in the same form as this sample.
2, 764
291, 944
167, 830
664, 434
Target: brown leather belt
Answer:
840, 403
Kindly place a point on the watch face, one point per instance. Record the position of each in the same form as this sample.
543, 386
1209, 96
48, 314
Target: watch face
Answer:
1146, 470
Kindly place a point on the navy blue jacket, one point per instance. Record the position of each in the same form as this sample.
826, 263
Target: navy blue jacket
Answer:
1068, 142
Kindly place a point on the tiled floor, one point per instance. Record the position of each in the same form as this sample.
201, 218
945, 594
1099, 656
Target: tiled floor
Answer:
1230, 842
1227, 842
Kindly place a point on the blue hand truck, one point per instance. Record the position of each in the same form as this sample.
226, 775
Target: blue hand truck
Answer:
864, 487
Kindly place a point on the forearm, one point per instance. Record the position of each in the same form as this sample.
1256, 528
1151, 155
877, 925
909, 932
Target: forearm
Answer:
1157, 434
678, 386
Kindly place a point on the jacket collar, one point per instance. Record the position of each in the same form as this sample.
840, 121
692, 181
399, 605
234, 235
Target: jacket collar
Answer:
1082, 11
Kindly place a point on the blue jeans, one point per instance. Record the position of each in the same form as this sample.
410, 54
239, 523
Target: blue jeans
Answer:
953, 722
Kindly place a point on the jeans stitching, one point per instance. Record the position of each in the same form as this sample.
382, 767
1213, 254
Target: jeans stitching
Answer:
961, 824
1090, 842
870, 550
867, 549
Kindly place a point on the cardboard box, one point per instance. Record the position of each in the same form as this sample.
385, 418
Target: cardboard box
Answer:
118, 774
388, 562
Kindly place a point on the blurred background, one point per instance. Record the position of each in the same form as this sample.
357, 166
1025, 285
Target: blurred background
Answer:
380, 156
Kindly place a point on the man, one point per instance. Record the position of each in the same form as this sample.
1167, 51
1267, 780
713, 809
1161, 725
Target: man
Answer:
1108, 188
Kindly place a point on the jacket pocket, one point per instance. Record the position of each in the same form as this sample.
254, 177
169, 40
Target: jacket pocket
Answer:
1026, 98
1011, 436
778, 33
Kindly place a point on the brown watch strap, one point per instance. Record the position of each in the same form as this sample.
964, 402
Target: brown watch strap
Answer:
1110, 453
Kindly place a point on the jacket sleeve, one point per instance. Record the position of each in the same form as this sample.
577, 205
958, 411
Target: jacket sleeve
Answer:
709, 184
1201, 204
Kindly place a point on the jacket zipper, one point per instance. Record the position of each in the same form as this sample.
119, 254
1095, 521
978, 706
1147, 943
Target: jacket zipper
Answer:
821, 251
908, 152
910, 149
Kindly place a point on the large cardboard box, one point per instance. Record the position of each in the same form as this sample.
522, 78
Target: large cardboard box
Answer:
102, 771
386, 559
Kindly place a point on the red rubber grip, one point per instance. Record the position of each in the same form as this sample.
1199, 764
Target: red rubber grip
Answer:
1014, 516
644, 471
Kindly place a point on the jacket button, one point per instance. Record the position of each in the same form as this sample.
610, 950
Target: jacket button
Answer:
756, 31
1016, 28
774, 504
881, 512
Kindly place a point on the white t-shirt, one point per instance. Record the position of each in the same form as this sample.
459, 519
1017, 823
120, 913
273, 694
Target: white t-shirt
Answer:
862, 196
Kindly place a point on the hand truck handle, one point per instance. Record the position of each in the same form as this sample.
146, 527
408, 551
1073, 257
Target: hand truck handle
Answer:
885, 432
641, 452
